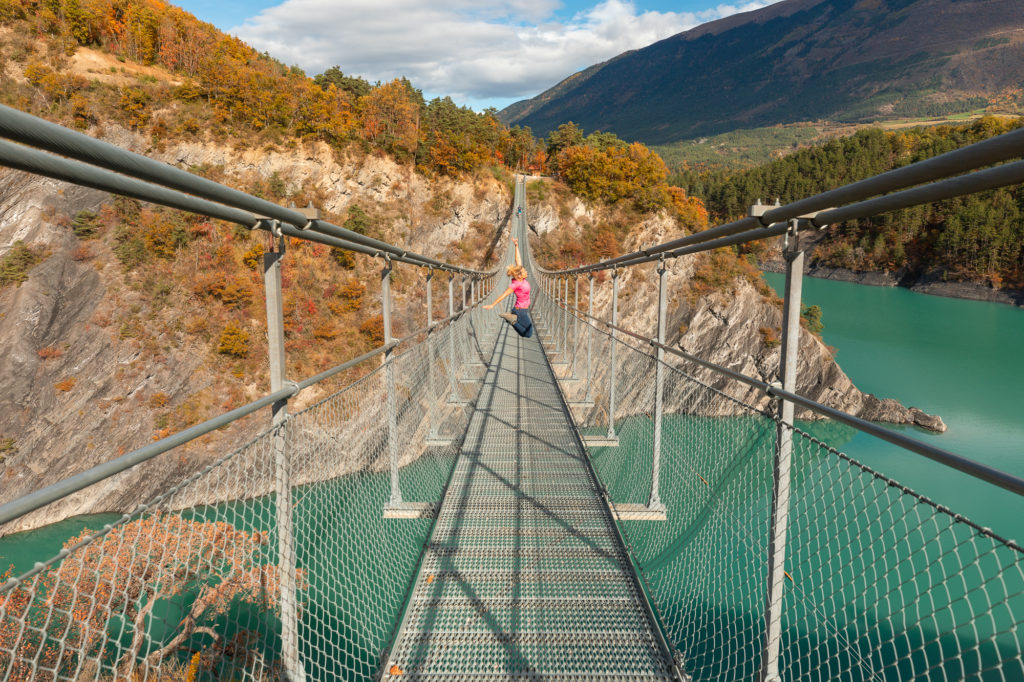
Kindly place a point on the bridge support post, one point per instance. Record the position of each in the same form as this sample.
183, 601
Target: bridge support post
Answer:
567, 326
553, 305
565, 321
556, 292
783, 457
654, 503
575, 323
590, 339
293, 669
455, 397
560, 329
611, 366
433, 439
463, 347
389, 379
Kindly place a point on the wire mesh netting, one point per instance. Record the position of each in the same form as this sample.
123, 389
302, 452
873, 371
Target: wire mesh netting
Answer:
187, 586
524, 576
880, 583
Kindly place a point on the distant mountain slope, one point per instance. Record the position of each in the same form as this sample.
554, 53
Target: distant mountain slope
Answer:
799, 60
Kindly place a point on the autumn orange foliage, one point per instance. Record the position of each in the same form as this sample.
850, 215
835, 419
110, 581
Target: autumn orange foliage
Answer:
223, 86
615, 173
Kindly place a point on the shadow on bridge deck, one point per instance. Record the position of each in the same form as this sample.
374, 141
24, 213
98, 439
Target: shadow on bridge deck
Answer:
525, 575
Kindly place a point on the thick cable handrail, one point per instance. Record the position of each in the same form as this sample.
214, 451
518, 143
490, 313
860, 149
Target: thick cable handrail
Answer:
41, 163
966, 184
60, 168
36, 132
772, 222
983, 472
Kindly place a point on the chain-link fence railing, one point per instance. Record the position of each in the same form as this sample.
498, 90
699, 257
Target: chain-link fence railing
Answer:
880, 583
181, 590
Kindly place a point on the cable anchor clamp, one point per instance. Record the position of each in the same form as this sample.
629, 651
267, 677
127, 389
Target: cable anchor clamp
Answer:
759, 210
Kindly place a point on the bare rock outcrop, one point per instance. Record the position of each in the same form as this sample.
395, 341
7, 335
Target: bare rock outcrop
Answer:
69, 392
545, 217
726, 328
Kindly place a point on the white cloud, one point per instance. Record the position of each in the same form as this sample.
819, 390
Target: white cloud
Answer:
473, 50
724, 10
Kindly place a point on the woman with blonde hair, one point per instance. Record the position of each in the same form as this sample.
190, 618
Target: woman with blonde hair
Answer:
519, 318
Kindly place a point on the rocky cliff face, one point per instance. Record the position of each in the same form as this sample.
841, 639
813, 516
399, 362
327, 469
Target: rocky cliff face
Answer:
75, 391
737, 327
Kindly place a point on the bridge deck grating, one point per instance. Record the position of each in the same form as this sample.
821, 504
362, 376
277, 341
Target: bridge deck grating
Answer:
524, 576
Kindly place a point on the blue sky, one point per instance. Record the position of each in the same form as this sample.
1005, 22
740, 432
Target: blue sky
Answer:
480, 52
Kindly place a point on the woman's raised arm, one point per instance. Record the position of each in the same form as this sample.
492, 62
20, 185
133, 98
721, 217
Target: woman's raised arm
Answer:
501, 298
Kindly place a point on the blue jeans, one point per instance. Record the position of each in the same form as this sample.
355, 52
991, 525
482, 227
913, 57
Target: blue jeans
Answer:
524, 325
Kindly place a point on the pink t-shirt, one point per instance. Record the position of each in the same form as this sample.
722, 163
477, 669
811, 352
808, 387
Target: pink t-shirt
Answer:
521, 288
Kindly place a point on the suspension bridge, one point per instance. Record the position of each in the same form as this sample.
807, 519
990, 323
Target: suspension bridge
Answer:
573, 506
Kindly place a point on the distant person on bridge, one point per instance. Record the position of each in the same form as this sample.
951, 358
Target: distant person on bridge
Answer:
519, 318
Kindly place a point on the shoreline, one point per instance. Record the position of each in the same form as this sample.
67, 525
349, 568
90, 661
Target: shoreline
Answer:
932, 286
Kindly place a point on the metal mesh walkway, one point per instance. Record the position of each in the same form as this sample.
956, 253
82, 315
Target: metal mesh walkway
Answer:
525, 575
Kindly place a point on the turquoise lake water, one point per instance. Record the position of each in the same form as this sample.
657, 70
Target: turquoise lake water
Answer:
955, 358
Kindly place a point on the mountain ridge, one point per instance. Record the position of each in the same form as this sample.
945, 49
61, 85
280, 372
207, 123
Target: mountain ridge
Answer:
867, 55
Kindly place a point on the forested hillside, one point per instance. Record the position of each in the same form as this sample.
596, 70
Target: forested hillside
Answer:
217, 86
978, 238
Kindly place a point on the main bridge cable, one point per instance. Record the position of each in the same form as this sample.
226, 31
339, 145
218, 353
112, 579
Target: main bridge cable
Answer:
987, 152
41, 163
1000, 176
57, 167
35, 132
